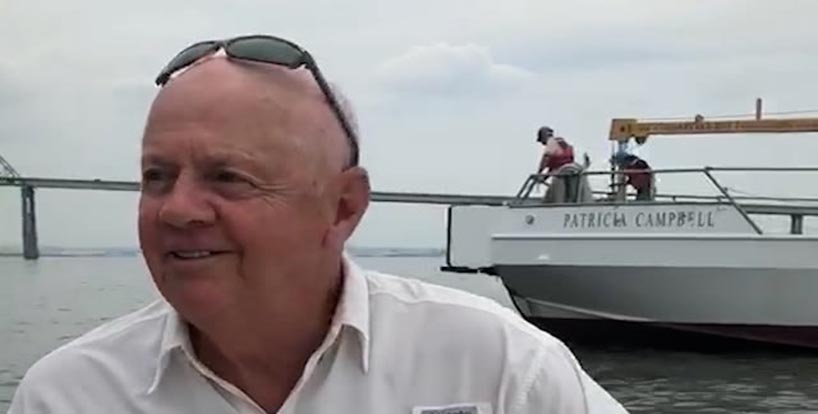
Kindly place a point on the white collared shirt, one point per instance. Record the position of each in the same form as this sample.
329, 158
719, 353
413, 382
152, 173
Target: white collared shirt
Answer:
396, 345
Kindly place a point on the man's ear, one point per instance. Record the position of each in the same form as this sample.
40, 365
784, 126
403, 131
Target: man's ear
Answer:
352, 202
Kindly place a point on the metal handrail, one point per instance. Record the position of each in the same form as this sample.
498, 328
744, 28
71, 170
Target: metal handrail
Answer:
683, 170
671, 196
764, 169
732, 201
533, 179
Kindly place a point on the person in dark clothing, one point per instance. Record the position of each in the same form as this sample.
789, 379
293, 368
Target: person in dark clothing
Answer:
637, 174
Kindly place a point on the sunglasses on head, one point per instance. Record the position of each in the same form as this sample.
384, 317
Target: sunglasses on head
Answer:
263, 49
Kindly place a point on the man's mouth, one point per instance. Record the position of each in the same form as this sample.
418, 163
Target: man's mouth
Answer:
194, 254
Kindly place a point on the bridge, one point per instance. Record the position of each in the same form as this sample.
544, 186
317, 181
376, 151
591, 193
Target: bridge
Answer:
9, 177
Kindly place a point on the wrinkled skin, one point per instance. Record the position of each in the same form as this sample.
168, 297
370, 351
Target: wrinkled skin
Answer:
246, 163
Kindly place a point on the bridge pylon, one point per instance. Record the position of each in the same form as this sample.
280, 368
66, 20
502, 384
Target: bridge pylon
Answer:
31, 249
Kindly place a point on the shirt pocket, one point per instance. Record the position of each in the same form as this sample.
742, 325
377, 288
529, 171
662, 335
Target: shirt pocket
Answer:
458, 408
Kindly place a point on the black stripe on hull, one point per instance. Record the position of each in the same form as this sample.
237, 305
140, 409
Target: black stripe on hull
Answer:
694, 337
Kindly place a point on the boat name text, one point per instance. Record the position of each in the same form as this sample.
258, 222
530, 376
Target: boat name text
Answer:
661, 219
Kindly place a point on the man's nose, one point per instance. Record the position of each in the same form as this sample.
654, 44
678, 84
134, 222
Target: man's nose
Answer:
187, 205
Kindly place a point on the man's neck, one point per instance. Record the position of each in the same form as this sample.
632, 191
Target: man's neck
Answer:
263, 348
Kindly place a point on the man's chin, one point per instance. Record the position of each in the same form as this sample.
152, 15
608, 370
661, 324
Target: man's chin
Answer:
197, 298
207, 281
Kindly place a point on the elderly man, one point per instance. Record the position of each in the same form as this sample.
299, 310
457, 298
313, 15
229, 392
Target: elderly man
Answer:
250, 188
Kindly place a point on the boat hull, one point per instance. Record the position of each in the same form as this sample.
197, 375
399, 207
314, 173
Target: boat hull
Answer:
686, 337
761, 304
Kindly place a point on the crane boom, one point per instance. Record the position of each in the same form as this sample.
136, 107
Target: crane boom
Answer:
624, 129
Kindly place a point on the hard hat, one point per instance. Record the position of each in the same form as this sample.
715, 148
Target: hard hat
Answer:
543, 133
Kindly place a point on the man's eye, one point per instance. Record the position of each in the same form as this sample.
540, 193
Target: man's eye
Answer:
231, 184
155, 181
152, 175
228, 177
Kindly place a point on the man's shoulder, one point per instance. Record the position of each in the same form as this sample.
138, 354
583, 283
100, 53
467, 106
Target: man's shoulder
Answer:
414, 291
109, 349
148, 319
449, 334
434, 305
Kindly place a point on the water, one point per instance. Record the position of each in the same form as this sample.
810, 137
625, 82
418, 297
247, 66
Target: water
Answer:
46, 303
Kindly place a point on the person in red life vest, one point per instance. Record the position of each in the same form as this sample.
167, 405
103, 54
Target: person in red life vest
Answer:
557, 151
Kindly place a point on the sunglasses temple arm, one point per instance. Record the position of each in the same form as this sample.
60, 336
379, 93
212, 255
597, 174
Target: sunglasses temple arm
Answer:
336, 107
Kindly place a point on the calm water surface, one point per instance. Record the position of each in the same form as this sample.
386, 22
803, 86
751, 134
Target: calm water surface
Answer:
46, 303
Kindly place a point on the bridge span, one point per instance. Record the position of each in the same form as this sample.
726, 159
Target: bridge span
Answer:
28, 185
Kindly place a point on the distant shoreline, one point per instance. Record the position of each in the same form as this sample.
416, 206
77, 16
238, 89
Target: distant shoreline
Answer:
51, 251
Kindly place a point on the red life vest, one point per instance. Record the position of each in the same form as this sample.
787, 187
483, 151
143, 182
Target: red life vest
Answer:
555, 161
639, 176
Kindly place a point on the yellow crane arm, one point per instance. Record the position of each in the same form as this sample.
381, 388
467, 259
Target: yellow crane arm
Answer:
625, 129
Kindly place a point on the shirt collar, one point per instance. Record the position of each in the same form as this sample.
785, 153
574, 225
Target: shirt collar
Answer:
353, 306
175, 335
352, 311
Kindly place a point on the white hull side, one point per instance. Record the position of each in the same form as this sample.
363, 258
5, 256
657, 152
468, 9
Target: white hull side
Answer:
689, 295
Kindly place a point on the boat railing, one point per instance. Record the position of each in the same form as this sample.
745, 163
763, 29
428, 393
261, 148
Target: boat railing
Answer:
795, 207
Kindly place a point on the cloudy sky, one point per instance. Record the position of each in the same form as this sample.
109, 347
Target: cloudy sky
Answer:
449, 93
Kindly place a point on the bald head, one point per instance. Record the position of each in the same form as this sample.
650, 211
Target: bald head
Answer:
282, 110
246, 162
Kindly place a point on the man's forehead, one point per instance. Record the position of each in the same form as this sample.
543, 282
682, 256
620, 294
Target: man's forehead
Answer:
258, 104
228, 91
221, 73
213, 155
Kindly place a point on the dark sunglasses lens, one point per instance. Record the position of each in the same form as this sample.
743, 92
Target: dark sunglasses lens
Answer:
187, 57
266, 50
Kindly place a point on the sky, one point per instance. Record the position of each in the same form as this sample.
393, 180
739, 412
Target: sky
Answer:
449, 94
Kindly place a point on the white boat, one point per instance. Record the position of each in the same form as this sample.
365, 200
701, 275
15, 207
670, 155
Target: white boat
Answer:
700, 264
